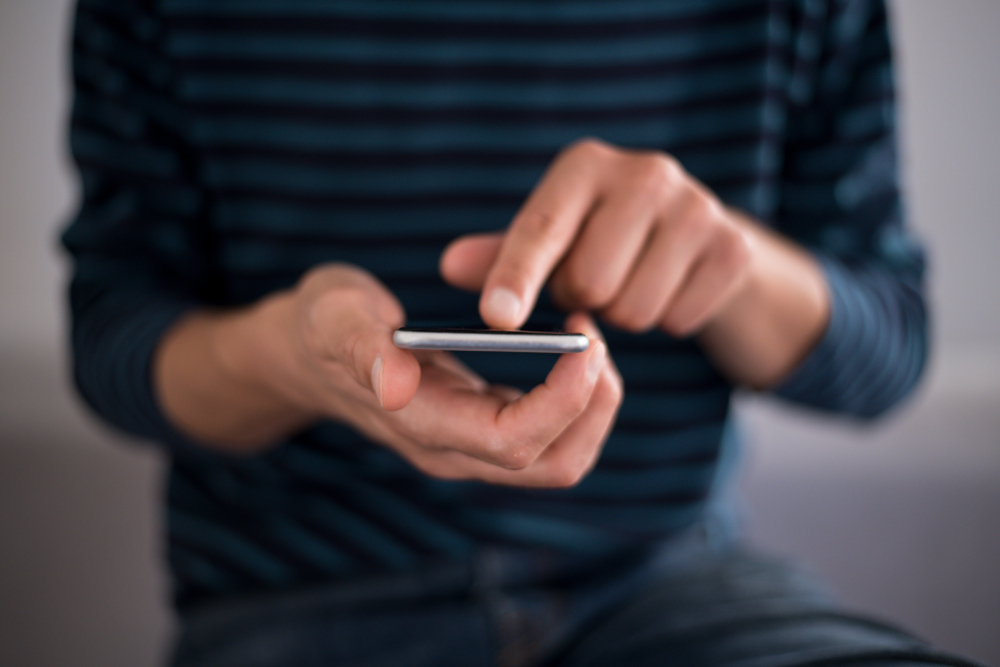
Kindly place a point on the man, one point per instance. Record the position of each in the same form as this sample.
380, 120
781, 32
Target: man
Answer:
270, 189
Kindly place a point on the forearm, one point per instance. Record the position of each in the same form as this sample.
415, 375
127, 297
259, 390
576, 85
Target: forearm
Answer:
215, 376
775, 317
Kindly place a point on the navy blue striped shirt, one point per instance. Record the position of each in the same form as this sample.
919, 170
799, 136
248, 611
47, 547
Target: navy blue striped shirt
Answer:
226, 146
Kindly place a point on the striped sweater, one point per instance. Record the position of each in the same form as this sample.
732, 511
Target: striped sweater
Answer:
226, 146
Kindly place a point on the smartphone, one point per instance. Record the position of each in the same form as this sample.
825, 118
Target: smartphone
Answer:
488, 340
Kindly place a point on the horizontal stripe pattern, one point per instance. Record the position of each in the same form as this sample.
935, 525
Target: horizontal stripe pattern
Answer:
226, 147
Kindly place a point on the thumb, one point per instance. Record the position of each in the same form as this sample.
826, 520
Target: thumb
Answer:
467, 260
353, 316
392, 374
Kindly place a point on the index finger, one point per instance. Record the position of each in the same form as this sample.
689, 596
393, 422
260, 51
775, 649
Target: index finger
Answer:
537, 239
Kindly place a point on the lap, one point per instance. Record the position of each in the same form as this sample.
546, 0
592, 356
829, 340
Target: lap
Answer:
692, 606
740, 608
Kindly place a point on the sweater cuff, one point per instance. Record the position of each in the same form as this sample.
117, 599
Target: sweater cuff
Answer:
114, 352
870, 355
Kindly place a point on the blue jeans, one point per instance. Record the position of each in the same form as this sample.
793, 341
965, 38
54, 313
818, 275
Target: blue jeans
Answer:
694, 601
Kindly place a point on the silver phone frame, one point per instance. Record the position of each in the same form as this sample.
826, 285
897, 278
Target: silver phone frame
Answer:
485, 340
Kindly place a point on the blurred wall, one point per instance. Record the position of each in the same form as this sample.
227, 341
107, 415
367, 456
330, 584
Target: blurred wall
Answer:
901, 517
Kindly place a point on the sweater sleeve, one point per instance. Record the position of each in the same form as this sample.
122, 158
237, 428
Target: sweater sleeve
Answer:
139, 255
841, 198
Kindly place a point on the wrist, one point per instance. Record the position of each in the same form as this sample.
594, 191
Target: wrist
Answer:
775, 316
217, 376
255, 349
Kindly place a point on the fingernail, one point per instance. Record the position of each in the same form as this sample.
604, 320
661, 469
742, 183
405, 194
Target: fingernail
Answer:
377, 379
596, 361
503, 305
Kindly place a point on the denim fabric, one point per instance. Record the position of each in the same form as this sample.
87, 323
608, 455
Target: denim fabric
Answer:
691, 602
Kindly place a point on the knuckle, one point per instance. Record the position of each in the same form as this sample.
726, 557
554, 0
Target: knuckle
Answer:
514, 274
424, 439
589, 147
323, 341
688, 221
321, 274
617, 390
674, 169
351, 351
537, 222
702, 205
578, 400
677, 327
734, 248
536, 226
568, 475
631, 319
508, 454
351, 298
411, 438
655, 175
588, 287
565, 473
695, 218
699, 207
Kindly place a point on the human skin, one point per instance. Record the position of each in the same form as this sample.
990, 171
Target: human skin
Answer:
624, 235
239, 381
633, 238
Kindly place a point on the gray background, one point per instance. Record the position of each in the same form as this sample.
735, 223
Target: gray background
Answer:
901, 516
